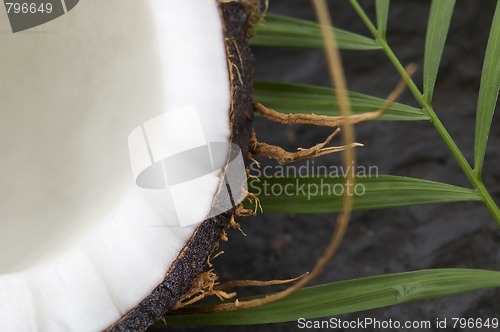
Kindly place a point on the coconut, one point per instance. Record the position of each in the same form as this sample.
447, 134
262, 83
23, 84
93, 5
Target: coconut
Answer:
84, 248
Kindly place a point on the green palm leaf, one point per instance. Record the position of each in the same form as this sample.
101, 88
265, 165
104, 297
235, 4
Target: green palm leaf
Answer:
382, 8
488, 92
437, 30
323, 194
283, 31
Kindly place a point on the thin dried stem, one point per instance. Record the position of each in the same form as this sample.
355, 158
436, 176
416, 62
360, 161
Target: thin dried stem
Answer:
256, 283
313, 119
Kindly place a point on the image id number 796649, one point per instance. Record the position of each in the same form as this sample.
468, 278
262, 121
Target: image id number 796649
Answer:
28, 7
477, 323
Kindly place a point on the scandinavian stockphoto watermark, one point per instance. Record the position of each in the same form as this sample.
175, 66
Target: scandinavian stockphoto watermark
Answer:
309, 180
171, 156
27, 14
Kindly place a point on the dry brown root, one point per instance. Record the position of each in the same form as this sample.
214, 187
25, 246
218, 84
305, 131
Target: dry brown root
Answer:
314, 119
243, 212
333, 121
206, 285
284, 157
223, 236
209, 259
202, 287
235, 225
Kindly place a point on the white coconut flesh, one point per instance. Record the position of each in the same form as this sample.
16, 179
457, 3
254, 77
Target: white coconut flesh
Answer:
81, 244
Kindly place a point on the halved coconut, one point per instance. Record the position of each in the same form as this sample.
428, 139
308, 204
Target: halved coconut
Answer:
83, 248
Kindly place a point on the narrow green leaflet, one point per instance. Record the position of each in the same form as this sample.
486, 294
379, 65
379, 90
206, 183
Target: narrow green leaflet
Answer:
382, 9
323, 194
351, 296
283, 31
488, 92
437, 30
298, 98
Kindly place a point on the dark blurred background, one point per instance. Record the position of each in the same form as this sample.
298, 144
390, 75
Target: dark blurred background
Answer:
391, 240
